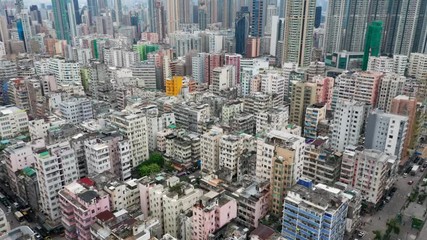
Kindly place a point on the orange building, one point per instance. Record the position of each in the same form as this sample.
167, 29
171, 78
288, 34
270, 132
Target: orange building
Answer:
174, 85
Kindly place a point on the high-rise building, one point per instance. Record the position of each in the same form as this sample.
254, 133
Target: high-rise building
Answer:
66, 72
61, 19
81, 200
303, 95
372, 42
345, 25
401, 26
347, 124
209, 149
355, 14
258, 17
420, 39
242, 30
13, 121
307, 208
360, 86
185, 11
299, 26
313, 115
386, 132
370, 171
390, 87
93, 10
318, 17
406, 106
223, 78
211, 213
130, 122
321, 164
172, 16
56, 167
418, 68
279, 160
77, 12
118, 11
76, 110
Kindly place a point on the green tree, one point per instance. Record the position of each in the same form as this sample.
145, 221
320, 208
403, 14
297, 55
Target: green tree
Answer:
392, 227
145, 170
157, 158
378, 235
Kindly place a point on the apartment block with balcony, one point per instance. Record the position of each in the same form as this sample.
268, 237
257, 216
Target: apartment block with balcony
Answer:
123, 195
369, 171
56, 167
313, 115
211, 213
80, 202
321, 164
270, 148
254, 201
132, 123
314, 212
209, 149
13, 121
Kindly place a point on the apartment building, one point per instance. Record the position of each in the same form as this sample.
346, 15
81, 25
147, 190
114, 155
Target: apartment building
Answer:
303, 95
80, 202
386, 132
132, 124
390, 87
231, 148
76, 110
321, 164
348, 123
56, 167
209, 149
314, 212
211, 213
13, 121
369, 171
314, 114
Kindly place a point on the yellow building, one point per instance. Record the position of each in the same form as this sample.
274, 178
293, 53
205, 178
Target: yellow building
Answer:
174, 85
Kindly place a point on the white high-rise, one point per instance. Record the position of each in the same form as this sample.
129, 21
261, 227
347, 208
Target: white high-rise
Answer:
209, 149
391, 86
133, 124
66, 72
56, 167
347, 124
386, 132
298, 32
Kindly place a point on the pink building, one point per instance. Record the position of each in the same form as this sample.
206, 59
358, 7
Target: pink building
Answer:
254, 203
80, 202
17, 157
212, 61
150, 37
234, 59
324, 91
212, 213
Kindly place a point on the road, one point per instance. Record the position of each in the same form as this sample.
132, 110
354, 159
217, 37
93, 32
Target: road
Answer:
377, 221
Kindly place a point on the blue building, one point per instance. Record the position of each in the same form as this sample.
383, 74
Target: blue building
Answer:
318, 17
317, 212
242, 29
259, 10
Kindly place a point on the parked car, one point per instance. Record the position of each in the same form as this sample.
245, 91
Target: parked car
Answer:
410, 182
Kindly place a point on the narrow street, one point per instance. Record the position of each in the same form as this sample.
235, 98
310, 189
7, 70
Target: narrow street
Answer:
378, 220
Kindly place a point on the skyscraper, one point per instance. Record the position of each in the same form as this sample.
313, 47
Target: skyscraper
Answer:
172, 15
354, 20
401, 26
420, 40
372, 42
93, 8
318, 18
258, 18
242, 30
62, 24
118, 11
299, 26
77, 12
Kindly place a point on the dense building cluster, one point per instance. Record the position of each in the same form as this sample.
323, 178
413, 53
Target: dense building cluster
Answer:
207, 119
